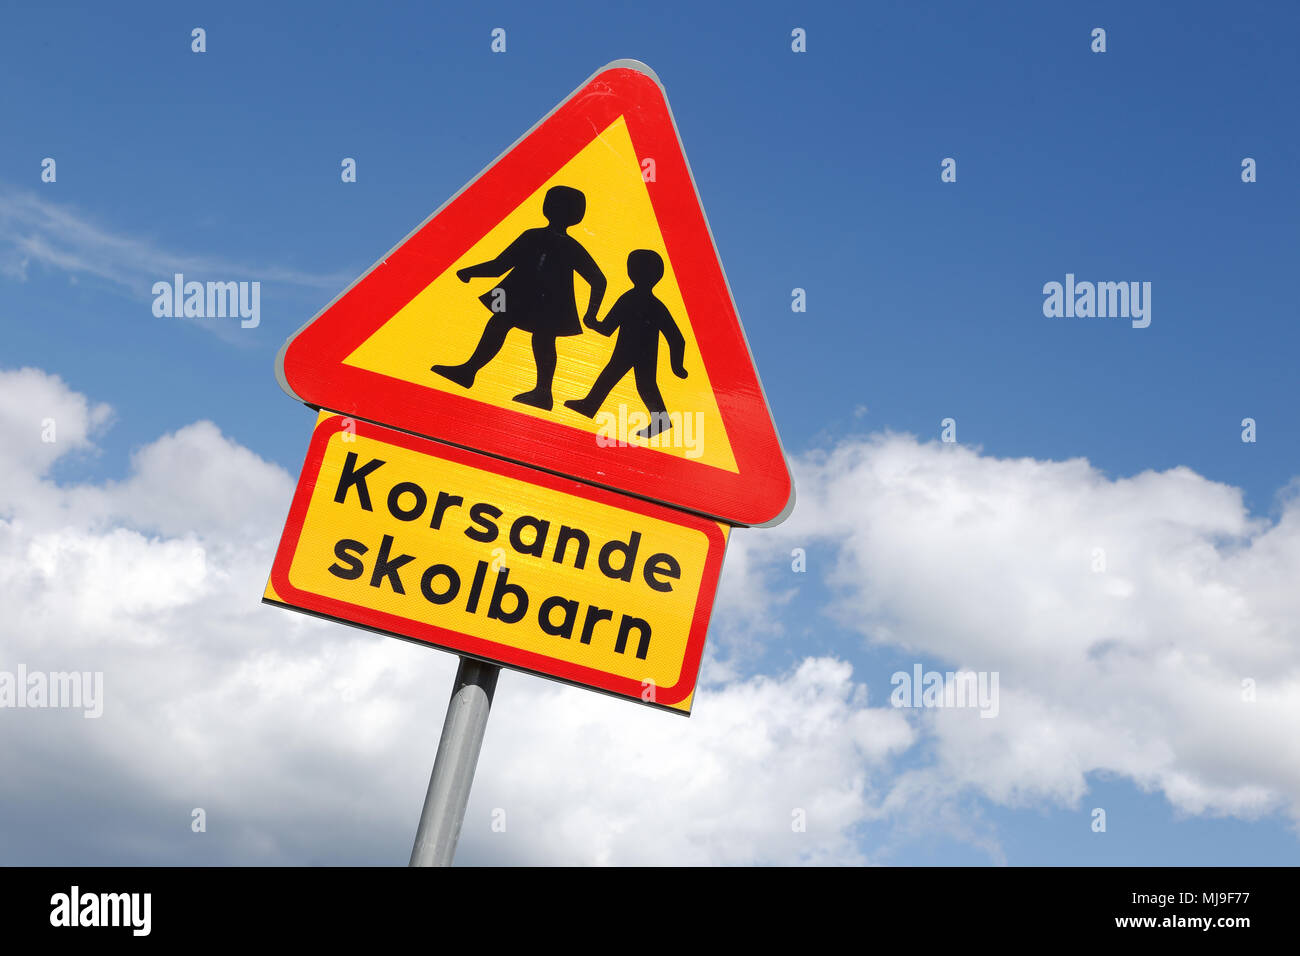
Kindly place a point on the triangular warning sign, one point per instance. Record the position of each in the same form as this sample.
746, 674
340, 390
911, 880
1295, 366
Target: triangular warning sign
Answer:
566, 310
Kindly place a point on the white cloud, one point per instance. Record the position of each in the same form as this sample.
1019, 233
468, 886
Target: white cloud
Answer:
962, 560
42, 419
36, 231
311, 742
758, 758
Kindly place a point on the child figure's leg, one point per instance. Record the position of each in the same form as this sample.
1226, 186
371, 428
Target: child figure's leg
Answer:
545, 357
648, 389
494, 336
609, 377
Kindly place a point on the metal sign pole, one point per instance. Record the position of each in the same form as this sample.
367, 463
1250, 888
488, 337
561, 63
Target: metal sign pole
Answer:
453, 768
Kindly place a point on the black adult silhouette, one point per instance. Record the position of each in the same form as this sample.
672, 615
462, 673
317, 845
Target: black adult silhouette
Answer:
537, 295
639, 318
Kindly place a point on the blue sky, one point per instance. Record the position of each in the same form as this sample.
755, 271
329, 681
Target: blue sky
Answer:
818, 170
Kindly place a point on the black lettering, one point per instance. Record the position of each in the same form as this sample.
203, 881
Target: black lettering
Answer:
540, 530
564, 628
426, 584
444, 502
624, 626
476, 587
386, 568
500, 590
661, 565
395, 497
628, 549
562, 540
355, 568
490, 530
594, 616
351, 476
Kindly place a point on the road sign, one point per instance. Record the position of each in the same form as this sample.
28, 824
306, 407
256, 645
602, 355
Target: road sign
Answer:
565, 310
492, 560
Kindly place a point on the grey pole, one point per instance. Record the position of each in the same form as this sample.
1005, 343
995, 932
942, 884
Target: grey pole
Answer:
453, 768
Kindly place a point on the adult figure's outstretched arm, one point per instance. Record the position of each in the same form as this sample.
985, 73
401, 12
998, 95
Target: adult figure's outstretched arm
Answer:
502, 264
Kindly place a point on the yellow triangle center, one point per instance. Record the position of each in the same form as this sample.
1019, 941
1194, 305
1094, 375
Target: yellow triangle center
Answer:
445, 323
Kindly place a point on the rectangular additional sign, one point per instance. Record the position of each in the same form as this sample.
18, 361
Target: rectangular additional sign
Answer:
433, 543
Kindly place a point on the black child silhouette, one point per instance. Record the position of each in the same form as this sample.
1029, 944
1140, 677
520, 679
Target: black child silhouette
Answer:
537, 295
639, 318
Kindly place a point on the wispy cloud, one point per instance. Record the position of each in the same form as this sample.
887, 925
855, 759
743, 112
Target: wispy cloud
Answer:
35, 231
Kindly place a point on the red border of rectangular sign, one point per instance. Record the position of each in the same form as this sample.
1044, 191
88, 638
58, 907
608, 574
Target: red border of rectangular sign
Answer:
312, 367
458, 641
